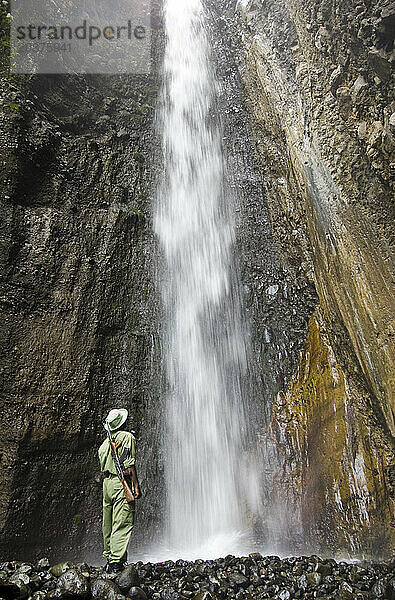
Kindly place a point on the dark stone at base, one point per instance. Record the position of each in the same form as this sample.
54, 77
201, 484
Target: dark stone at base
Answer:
206, 595
59, 594
103, 589
237, 580
170, 594
136, 593
9, 590
128, 578
390, 589
60, 568
73, 582
40, 595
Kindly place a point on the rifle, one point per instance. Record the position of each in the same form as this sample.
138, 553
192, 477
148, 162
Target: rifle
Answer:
126, 489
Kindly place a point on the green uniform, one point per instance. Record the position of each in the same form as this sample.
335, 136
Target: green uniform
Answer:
118, 514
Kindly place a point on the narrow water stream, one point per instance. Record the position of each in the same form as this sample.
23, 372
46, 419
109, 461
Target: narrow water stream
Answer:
203, 345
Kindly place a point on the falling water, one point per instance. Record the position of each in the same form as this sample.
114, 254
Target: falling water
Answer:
203, 340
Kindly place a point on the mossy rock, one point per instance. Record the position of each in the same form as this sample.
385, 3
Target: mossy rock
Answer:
60, 568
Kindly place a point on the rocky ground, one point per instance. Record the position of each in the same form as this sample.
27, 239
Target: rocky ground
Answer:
254, 576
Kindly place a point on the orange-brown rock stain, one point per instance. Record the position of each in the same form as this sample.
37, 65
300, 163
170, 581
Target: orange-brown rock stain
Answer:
337, 468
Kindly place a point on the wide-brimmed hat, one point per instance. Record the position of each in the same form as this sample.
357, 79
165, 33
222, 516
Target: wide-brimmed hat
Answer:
116, 417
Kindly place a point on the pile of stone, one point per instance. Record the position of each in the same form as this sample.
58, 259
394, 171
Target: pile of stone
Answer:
246, 578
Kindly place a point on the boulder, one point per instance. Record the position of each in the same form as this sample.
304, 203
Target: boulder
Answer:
9, 589
170, 594
43, 563
390, 589
283, 595
313, 578
345, 591
73, 582
58, 594
104, 589
40, 595
379, 588
256, 555
24, 568
136, 593
20, 578
238, 580
302, 582
128, 578
380, 64
60, 568
206, 595
323, 568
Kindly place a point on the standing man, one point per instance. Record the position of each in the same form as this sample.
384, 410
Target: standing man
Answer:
118, 514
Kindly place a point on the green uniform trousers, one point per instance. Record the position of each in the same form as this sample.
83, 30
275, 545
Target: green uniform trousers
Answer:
118, 519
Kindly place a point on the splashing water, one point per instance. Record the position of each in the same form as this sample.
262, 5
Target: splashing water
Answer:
203, 341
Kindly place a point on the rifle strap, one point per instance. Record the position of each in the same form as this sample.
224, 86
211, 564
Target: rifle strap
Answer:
124, 454
116, 444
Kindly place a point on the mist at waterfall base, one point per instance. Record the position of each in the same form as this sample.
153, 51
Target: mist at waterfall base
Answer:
211, 478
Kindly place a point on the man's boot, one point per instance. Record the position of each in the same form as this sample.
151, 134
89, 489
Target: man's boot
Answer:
124, 559
114, 568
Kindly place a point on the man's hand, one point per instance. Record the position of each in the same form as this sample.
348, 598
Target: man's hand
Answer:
135, 487
136, 491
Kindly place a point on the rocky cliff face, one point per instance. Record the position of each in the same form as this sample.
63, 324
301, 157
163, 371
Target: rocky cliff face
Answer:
318, 85
78, 304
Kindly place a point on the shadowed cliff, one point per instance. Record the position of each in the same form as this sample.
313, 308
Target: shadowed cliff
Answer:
77, 292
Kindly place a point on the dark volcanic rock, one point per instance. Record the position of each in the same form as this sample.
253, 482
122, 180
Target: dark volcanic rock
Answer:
170, 594
238, 580
59, 594
104, 589
319, 101
73, 582
390, 589
206, 595
220, 579
78, 304
128, 578
9, 589
136, 593
39, 595
60, 568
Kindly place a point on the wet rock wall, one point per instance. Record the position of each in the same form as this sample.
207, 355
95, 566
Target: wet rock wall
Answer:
317, 82
78, 309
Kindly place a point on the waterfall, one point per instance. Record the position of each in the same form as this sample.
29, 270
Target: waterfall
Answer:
203, 342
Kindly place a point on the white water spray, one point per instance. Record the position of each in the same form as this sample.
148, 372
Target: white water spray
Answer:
203, 340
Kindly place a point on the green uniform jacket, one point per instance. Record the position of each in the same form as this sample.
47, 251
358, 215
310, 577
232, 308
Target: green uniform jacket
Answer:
118, 515
126, 452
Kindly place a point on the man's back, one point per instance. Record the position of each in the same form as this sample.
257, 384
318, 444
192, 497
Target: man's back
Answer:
126, 443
